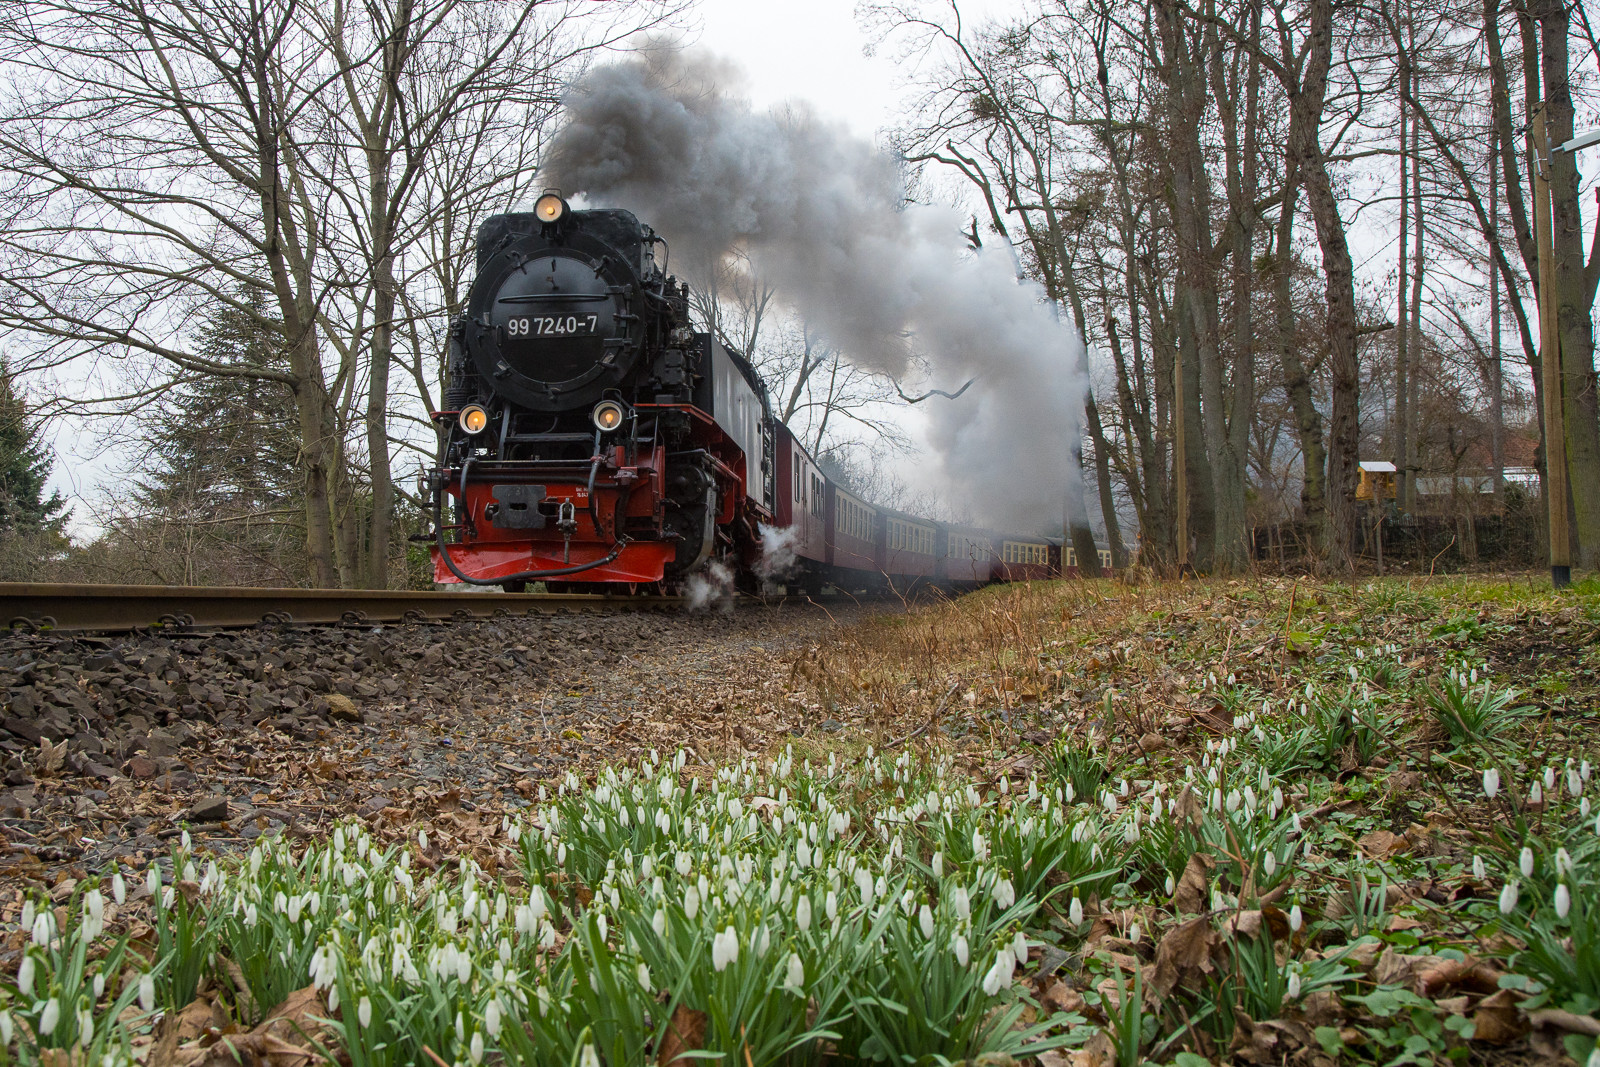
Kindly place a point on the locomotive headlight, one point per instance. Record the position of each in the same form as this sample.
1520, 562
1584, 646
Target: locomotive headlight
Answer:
473, 418
550, 207
608, 415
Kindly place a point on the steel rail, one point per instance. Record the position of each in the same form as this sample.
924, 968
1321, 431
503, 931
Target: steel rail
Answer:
116, 608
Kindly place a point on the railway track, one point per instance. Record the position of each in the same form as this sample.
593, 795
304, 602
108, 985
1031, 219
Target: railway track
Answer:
121, 608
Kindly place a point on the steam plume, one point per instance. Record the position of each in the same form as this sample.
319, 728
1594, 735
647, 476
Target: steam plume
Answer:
822, 215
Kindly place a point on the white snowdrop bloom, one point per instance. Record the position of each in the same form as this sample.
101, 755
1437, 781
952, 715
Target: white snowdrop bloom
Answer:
43, 924
1508, 898
25, 975
1216, 800
802, 854
691, 901
1269, 864
588, 1057
795, 976
119, 888
961, 950
99, 985
1583, 807
1525, 862
422, 840
491, 1019
364, 1012
1480, 870
1005, 894
642, 973
937, 864
830, 904
464, 967
1563, 901
1296, 919
802, 912
85, 1027
50, 1017
147, 992
1536, 794
1019, 948
980, 847
1110, 802
724, 949
658, 922
1549, 777
475, 1048
863, 886
961, 903
1491, 782
994, 978
1075, 912
1294, 985
1135, 933
925, 921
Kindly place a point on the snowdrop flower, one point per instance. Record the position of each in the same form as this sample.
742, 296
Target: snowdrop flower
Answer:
475, 1049
925, 920
1269, 864
691, 903
961, 950
491, 1019
364, 1012
1019, 948
42, 924
724, 949
119, 888
1297, 919
51, 1016
938, 865
85, 1027
999, 973
1574, 783
802, 913
25, 975
6, 1027
99, 985
642, 972
1171, 885
795, 978
961, 903
147, 992
1491, 782
830, 905
1134, 933
422, 840
1294, 985
1549, 777
1525, 863
588, 1057
1479, 870
1536, 794
1508, 898
1563, 901
1005, 894
1075, 912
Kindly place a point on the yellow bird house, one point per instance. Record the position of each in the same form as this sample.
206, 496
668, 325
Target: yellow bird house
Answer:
1377, 481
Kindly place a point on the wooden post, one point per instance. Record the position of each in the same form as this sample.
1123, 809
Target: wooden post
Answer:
1555, 437
1180, 464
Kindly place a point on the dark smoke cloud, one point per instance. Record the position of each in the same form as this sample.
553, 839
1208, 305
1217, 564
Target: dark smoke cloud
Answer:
822, 215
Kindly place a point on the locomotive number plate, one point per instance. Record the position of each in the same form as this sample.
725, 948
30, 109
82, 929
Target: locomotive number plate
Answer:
552, 325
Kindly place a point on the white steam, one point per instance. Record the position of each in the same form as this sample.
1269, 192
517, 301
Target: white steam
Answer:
778, 557
822, 216
710, 588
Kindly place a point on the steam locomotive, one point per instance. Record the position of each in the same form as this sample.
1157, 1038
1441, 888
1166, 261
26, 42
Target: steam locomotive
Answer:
593, 439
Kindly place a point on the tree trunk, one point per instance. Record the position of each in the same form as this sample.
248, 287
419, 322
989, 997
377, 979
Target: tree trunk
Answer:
1306, 103
1575, 345
1296, 378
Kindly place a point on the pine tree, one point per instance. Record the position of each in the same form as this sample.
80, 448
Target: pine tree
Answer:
221, 499
25, 462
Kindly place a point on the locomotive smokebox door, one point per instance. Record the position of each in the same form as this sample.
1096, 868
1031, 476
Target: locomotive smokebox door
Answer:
516, 507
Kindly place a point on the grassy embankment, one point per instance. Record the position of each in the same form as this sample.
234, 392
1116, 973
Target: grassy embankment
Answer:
1253, 821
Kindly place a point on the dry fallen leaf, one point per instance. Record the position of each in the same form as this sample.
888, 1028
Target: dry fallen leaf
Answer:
1184, 956
686, 1032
